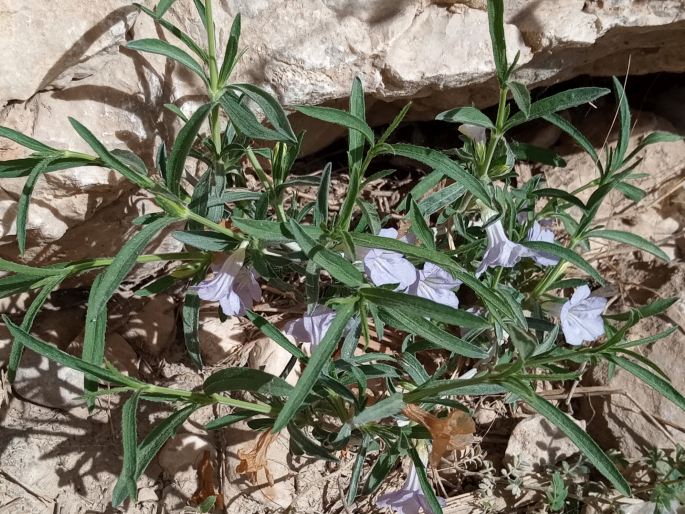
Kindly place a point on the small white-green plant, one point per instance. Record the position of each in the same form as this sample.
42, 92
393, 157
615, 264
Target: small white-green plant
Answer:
486, 233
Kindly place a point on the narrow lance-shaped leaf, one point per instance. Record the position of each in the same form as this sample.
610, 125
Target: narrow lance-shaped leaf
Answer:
631, 239
332, 262
246, 122
321, 207
231, 52
182, 145
338, 117
441, 162
129, 438
157, 46
191, 321
26, 324
624, 123
275, 335
469, 115
564, 253
576, 134
558, 102
60, 357
499, 44
271, 108
24, 199
419, 226
150, 446
26, 141
659, 384
521, 97
93, 350
124, 262
356, 137
580, 438
321, 356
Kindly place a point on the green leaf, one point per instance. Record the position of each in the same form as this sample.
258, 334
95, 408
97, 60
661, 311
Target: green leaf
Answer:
659, 384
60, 357
561, 194
631, 192
393, 125
191, 320
205, 240
385, 408
426, 487
123, 263
129, 437
441, 162
25, 141
187, 40
318, 360
332, 262
338, 117
423, 307
441, 199
156, 286
584, 442
182, 145
231, 51
157, 46
321, 206
150, 447
632, 240
109, 159
163, 6
564, 253
17, 347
521, 97
275, 335
384, 464
357, 469
651, 309
576, 134
229, 419
246, 122
526, 152
419, 226
415, 324
558, 102
499, 44
355, 137
624, 119
271, 108
24, 199
469, 115
15, 168
93, 350
653, 138
246, 379
177, 111
301, 444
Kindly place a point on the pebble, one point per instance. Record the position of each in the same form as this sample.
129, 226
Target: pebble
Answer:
153, 328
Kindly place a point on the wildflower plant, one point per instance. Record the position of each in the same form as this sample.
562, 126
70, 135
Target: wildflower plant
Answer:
479, 278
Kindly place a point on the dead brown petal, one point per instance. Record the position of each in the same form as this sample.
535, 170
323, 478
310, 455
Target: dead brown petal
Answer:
453, 432
251, 462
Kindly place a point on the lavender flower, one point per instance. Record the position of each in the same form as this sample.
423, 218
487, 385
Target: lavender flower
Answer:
409, 499
312, 327
235, 287
386, 267
473, 132
501, 251
538, 233
434, 283
581, 317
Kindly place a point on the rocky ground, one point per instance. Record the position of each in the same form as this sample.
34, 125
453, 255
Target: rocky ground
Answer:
56, 458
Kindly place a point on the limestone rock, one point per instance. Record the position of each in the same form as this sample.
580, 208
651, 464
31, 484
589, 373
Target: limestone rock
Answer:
121, 354
153, 327
183, 452
270, 357
219, 340
539, 443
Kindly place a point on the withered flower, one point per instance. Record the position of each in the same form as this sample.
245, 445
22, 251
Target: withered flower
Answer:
453, 432
254, 460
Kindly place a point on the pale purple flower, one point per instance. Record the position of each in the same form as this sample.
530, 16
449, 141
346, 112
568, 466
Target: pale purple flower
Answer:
473, 132
386, 267
235, 287
312, 327
538, 233
501, 251
435, 283
409, 499
581, 317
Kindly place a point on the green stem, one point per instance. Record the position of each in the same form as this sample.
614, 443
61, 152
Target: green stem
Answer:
83, 265
275, 200
215, 226
498, 132
205, 399
214, 124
